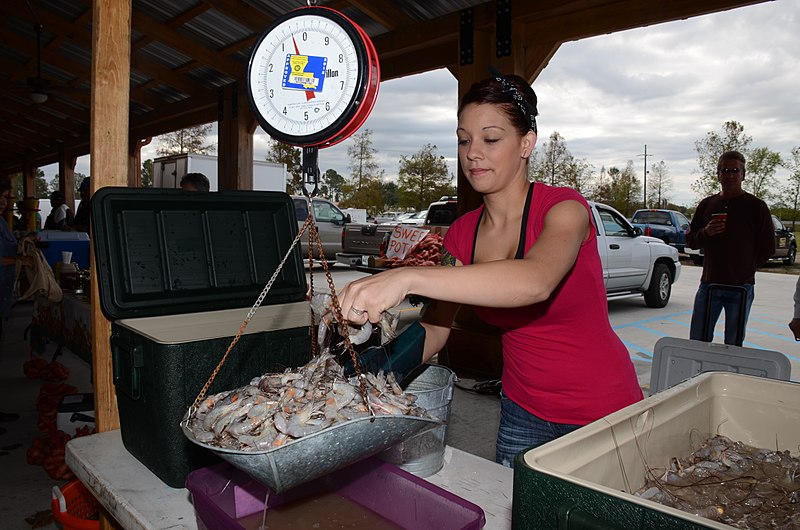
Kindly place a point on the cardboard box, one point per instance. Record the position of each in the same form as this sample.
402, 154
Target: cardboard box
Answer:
585, 478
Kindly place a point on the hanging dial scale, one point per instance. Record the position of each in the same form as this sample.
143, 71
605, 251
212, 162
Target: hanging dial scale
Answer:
313, 77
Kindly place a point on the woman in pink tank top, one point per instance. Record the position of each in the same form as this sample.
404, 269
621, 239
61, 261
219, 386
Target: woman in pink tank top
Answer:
527, 260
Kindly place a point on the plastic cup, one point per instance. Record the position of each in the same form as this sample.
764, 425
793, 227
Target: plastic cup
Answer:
723, 216
66, 256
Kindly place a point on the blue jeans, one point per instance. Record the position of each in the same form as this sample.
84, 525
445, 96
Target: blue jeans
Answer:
520, 430
722, 299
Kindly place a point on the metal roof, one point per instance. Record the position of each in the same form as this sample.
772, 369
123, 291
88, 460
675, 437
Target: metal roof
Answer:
184, 51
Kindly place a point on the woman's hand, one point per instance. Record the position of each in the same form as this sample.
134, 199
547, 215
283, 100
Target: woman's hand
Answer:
367, 298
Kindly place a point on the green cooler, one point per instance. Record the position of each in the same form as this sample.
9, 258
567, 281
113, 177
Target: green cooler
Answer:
585, 479
177, 274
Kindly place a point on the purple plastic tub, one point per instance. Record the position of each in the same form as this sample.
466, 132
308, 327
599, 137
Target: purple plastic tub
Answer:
226, 498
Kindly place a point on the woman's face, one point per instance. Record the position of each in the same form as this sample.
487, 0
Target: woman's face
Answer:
4, 200
490, 150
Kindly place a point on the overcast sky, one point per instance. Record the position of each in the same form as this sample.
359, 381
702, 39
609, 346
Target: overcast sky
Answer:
664, 86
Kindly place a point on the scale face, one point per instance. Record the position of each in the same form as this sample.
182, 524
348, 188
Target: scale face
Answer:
313, 77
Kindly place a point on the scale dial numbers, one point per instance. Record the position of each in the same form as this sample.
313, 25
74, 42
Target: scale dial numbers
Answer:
307, 77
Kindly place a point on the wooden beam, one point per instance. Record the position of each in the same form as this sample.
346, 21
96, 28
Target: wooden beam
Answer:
236, 126
189, 14
196, 110
111, 40
434, 56
383, 12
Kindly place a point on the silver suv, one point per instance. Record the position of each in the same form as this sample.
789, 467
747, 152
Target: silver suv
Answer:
330, 223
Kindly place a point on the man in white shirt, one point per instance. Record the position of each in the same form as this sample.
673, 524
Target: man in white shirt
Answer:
61, 216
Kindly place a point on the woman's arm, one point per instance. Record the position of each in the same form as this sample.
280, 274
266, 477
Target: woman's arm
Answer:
437, 318
502, 283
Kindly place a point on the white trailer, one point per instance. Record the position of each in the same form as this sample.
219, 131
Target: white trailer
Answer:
357, 215
169, 170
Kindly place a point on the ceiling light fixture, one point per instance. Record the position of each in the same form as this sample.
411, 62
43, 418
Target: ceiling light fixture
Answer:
38, 97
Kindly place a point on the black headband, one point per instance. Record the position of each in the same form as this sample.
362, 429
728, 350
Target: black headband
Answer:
528, 110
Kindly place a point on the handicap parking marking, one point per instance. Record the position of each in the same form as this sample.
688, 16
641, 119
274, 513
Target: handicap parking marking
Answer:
640, 348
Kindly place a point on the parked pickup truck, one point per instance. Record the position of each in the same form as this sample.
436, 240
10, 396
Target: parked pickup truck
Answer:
633, 263
669, 226
360, 241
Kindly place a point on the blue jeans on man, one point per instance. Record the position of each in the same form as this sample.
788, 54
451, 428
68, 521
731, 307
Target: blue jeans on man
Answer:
730, 301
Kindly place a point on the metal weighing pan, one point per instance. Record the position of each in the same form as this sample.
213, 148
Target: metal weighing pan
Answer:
322, 452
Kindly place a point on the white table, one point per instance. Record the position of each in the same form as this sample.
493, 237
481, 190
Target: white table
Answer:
138, 499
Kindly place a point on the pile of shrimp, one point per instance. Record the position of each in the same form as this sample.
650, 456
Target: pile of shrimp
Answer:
276, 408
734, 483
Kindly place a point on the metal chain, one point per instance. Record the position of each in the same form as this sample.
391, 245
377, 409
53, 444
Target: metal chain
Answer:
337, 313
313, 235
312, 231
250, 314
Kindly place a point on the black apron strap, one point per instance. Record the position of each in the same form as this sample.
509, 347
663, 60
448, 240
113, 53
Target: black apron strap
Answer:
522, 230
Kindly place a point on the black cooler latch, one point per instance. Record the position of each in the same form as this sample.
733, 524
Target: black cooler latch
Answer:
128, 360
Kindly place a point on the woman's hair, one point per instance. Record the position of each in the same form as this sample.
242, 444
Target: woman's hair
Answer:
511, 93
5, 185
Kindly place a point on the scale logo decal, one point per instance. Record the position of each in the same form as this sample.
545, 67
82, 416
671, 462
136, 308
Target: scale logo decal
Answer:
304, 72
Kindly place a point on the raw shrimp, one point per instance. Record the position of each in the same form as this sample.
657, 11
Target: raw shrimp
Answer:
322, 307
730, 482
275, 409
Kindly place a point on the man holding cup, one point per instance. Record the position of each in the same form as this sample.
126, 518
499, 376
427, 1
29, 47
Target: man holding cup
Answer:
734, 228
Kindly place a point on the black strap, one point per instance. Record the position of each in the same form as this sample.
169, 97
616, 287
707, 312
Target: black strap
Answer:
524, 225
522, 229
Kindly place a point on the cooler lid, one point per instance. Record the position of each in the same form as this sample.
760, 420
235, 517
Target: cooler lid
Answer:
676, 360
161, 251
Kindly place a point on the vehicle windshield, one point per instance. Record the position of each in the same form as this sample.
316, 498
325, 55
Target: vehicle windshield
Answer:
653, 218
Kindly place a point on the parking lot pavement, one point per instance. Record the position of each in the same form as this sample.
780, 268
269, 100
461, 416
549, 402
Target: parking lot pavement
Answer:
641, 327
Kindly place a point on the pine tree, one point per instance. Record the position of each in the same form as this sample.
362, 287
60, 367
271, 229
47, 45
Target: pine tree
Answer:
363, 190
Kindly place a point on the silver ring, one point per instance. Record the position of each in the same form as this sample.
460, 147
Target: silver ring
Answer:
358, 312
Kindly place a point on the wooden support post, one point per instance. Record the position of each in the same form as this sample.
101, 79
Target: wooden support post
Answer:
111, 39
66, 175
236, 127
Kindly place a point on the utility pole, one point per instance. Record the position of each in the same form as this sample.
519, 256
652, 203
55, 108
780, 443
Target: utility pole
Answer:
644, 184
